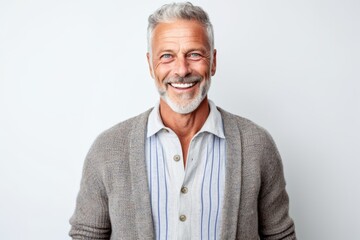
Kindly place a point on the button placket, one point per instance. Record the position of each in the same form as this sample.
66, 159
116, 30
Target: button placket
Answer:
185, 205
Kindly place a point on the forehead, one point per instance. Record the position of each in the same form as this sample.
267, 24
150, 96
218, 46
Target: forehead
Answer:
180, 32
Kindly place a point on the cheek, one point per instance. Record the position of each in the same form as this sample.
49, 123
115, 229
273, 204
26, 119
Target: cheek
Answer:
202, 68
162, 71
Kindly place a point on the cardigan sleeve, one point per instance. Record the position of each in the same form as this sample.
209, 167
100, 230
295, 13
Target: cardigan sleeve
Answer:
91, 217
273, 204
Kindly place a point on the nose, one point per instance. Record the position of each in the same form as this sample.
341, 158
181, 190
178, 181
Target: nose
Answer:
182, 68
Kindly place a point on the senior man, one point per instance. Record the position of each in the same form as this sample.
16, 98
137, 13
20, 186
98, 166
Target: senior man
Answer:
185, 169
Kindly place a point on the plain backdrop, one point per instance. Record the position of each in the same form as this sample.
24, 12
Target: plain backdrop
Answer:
71, 69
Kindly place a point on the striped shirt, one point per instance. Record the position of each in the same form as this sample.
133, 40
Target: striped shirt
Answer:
186, 202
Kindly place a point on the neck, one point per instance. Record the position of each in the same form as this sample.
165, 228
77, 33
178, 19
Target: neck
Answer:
185, 125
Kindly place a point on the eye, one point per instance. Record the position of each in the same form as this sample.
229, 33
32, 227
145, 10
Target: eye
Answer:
194, 55
166, 56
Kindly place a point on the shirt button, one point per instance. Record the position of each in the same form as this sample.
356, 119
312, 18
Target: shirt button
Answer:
176, 158
182, 218
184, 190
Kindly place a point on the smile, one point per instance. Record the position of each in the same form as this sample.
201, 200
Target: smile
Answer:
182, 85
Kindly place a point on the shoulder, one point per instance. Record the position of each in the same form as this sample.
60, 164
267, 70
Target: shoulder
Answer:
257, 148
118, 135
249, 132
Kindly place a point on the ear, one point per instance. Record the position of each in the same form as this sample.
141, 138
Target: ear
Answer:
150, 64
213, 64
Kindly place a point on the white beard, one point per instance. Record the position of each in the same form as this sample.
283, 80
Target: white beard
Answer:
186, 105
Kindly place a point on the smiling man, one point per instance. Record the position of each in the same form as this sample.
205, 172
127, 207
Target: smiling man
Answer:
185, 169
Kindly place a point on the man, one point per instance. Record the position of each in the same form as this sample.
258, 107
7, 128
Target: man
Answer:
184, 169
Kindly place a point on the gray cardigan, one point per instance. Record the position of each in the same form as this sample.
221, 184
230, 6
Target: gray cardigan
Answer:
113, 201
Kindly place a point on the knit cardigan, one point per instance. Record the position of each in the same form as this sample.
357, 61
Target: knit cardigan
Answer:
114, 200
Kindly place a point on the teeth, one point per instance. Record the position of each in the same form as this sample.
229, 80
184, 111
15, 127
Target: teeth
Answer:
182, 85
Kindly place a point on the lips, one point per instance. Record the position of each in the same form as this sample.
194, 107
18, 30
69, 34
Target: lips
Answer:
182, 85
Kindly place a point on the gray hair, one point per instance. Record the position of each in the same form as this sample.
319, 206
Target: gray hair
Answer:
180, 11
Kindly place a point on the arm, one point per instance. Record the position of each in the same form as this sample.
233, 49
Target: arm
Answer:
274, 220
91, 217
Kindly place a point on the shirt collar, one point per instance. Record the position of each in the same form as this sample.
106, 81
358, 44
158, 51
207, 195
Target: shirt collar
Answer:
213, 123
155, 123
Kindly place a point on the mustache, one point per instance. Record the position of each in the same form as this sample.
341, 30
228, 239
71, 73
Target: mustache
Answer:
189, 79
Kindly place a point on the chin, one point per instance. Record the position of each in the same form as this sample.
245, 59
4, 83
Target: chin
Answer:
184, 108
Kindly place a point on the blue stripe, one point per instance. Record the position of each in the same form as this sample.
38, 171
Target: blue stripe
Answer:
158, 186
150, 147
166, 196
202, 193
218, 195
210, 186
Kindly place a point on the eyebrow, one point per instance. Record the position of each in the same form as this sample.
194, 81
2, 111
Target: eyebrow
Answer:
165, 50
203, 50
162, 51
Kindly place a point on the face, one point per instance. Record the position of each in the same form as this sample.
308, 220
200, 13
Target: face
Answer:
181, 64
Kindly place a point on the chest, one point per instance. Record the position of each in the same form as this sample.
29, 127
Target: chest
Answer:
186, 200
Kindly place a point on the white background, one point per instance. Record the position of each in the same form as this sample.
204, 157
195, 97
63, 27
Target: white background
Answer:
71, 69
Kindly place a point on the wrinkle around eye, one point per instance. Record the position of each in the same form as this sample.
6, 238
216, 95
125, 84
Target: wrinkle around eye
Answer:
198, 57
195, 56
166, 56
